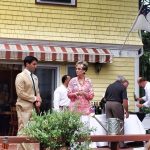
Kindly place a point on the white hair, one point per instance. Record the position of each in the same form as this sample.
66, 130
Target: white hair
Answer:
120, 78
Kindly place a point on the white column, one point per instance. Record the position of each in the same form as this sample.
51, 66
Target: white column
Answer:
136, 74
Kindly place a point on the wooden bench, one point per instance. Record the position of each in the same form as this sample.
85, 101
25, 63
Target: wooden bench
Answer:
114, 139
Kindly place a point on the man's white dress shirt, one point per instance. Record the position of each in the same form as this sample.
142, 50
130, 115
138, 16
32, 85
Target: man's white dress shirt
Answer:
146, 98
61, 97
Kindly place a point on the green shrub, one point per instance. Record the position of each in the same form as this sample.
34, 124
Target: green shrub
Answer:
57, 129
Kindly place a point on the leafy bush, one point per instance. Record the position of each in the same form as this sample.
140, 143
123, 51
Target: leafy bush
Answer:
146, 110
57, 129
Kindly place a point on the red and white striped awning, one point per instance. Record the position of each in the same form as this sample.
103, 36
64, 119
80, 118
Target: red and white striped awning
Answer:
51, 53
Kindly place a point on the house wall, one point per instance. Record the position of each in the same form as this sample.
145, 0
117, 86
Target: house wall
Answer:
96, 21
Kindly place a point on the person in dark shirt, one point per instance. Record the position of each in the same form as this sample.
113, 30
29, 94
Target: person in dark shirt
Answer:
117, 101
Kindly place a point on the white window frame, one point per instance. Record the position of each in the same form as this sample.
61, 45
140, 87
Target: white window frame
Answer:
72, 3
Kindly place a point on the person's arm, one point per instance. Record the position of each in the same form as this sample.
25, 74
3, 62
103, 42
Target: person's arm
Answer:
125, 103
125, 106
38, 101
146, 104
19, 83
146, 98
56, 99
139, 99
72, 94
139, 105
38, 97
143, 98
90, 94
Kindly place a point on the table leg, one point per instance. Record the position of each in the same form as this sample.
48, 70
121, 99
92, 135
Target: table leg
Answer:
114, 145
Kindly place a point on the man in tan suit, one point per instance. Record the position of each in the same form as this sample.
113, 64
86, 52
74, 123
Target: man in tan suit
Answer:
28, 95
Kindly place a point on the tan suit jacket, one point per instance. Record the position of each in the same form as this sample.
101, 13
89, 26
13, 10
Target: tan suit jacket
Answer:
25, 90
25, 100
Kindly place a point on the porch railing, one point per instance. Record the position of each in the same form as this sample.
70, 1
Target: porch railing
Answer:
113, 139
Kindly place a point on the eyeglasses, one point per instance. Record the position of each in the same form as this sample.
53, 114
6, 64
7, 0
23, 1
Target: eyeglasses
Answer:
78, 68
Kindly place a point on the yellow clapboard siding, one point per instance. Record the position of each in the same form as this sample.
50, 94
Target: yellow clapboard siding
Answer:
90, 21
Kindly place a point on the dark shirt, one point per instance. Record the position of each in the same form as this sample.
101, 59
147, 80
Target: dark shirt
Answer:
116, 92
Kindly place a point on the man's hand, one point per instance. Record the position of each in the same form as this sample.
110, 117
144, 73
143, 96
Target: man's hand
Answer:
126, 114
38, 99
81, 93
139, 105
139, 99
38, 104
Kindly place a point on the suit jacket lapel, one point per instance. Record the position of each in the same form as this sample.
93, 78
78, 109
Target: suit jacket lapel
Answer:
27, 75
30, 80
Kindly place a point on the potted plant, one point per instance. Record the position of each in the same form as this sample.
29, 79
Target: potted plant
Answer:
55, 130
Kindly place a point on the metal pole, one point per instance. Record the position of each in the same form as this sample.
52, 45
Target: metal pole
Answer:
132, 25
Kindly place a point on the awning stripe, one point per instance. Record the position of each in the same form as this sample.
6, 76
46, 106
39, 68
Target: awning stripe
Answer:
42, 53
7, 52
51, 53
65, 58
31, 51
96, 52
75, 54
19, 48
107, 56
86, 56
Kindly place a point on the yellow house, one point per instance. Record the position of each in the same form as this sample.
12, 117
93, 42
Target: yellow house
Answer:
60, 32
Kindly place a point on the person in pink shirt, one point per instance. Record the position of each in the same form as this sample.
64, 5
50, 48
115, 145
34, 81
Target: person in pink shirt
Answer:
80, 90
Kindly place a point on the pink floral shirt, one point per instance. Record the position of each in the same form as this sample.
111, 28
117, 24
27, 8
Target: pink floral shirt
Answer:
80, 103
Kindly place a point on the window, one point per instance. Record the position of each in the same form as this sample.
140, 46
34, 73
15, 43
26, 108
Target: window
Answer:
59, 2
47, 77
8, 94
71, 71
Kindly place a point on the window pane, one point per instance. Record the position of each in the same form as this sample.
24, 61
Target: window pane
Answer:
71, 71
47, 84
